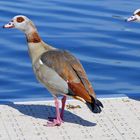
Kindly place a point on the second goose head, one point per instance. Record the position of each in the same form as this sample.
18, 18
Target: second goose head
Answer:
135, 16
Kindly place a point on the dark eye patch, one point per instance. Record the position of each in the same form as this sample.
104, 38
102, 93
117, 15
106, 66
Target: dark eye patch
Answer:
138, 13
20, 19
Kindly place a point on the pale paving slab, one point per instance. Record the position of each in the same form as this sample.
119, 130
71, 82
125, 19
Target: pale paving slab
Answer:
120, 120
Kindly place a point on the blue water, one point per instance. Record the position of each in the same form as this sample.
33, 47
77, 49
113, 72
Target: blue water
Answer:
108, 47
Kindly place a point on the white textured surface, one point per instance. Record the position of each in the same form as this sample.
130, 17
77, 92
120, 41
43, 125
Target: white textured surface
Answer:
120, 120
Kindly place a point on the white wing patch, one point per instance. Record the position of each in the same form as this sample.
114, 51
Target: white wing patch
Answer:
40, 62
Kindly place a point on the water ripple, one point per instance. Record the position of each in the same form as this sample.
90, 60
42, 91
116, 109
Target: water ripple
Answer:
107, 46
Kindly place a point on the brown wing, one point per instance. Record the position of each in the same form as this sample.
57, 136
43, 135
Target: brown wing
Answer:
70, 69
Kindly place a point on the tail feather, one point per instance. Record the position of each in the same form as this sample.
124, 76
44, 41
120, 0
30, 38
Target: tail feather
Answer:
95, 106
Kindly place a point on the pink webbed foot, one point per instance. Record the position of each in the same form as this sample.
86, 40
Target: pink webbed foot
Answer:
54, 122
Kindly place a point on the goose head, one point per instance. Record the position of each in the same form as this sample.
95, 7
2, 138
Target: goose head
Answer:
135, 16
22, 23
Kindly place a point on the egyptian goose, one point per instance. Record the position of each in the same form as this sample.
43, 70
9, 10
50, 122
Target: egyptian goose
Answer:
135, 16
58, 70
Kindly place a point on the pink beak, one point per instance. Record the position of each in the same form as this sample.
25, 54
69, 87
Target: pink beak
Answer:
132, 18
9, 25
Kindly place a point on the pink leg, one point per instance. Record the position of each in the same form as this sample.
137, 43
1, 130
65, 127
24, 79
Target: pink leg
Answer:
63, 101
58, 120
63, 107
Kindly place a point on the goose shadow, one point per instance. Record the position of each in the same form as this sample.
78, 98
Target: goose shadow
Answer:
45, 111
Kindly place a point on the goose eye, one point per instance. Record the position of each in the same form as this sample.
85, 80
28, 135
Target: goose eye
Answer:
20, 19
